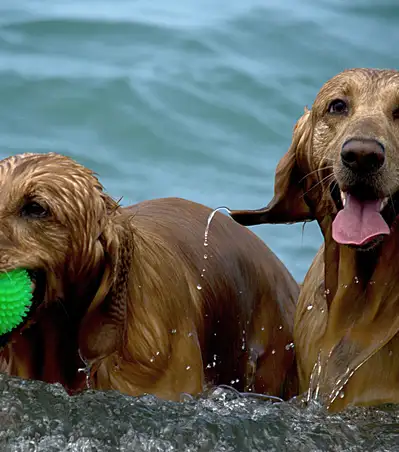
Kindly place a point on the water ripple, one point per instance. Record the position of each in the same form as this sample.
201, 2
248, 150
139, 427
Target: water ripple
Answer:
40, 417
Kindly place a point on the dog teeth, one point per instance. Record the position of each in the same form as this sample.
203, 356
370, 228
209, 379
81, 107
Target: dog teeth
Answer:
384, 202
343, 198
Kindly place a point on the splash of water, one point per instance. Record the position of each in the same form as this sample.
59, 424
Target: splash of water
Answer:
338, 386
86, 370
209, 221
251, 394
206, 242
40, 417
314, 383
341, 382
290, 346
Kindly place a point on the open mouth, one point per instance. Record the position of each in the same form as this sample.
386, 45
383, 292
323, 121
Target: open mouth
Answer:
38, 279
362, 221
38, 287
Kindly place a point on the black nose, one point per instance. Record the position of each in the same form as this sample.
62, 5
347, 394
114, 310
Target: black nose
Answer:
364, 156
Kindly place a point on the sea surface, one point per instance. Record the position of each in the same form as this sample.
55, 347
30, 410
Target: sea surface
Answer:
188, 98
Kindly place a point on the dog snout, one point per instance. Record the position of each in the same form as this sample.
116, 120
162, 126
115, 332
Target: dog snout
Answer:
363, 155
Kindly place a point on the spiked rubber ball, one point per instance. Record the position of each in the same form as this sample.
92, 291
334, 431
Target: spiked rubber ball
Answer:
15, 298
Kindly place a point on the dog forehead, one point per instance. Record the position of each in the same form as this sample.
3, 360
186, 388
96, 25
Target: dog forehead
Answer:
362, 82
46, 171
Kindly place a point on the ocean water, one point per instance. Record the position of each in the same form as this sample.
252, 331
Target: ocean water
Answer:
188, 98
42, 418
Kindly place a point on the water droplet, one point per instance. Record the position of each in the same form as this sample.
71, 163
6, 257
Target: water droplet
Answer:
341, 395
205, 243
237, 380
356, 279
190, 334
322, 310
232, 382
205, 256
203, 270
157, 353
263, 328
390, 353
188, 367
273, 352
214, 334
213, 364
152, 360
345, 286
310, 307
280, 327
173, 331
199, 287
327, 291
289, 346
208, 366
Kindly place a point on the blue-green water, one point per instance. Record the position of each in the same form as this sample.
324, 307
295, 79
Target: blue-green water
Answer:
195, 99
42, 418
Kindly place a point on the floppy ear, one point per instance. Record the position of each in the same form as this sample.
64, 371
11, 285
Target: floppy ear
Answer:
103, 328
288, 204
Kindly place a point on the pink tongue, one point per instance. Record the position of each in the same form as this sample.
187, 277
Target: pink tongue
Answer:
358, 222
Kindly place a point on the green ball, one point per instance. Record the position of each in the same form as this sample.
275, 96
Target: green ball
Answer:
15, 298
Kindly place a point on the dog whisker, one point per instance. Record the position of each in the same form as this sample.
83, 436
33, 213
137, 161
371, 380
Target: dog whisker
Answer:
315, 171
325, 179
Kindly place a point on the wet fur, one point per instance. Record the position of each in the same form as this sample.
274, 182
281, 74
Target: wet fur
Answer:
352, 327
121, 290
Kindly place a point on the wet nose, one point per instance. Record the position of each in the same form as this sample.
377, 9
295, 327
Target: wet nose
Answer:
363, 155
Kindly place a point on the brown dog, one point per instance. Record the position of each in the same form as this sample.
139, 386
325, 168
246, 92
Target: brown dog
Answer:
342, 169
136, 293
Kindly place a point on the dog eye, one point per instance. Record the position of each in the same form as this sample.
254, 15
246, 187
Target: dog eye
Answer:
33, 209
338, 107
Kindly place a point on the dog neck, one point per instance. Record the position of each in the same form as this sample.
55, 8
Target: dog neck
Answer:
362, 305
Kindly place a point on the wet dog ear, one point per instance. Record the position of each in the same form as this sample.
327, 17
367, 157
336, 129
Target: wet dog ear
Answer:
288, 204
103, 327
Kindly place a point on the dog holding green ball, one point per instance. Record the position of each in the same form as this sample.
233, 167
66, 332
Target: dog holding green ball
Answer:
162, 297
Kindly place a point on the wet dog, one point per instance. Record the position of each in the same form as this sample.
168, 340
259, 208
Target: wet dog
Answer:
132, 296
342, 170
